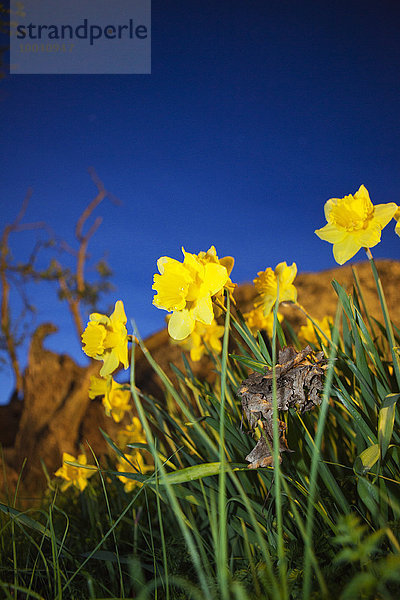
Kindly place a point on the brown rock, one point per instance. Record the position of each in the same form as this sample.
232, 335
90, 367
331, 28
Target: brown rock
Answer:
55, 401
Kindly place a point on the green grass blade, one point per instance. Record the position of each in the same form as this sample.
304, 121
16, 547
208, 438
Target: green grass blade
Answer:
386, 316
222, 550
315, 464
386, 422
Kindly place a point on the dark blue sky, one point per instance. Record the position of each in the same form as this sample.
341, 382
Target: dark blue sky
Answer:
256, 112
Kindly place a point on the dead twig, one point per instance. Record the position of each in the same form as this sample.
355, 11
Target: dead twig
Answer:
5, 316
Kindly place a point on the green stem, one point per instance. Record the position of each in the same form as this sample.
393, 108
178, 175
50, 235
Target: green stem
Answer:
308, 552
201, 569
385, 311
222, 542
276, 455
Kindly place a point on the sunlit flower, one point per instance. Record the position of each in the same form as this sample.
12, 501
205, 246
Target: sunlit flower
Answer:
307, 333
397, 217
185, 289
106, 338
266, 284
227, 262
74, 476
116, 399
257, 321
132, 433
202, 336
100, 386
354, 223
137, 466
117, 403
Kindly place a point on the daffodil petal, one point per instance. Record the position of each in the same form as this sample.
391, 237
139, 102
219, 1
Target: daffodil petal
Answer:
330, 233
227, 262
285, 274
329, 205
289, 294
93, 339
172, 286
161, 262
363, 194
180, 325
122, 353
383, 213
82, 460
191, 261
215, 277
203, 311
98, 387
68, 457
345, 249
110, 363
119, 313
99, 318
370, 237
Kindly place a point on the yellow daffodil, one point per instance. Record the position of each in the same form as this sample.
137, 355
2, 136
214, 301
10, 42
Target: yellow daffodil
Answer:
227, 262
185, 289
117, 403
354, 223
202, 336
266, 284
307, 333
106, 338
131, 434
138, 466
257, 321
74, 476
397, 217
116, 400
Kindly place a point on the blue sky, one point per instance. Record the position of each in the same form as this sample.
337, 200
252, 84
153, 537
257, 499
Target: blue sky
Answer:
254, 115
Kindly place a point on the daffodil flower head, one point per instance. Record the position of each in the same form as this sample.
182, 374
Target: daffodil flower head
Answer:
203, 337
116, 399
186, 289
353, 222
307, 333
227, 262
257, 321
268, 282
132, 433
75, 476
136, 462
106, 338
135, 466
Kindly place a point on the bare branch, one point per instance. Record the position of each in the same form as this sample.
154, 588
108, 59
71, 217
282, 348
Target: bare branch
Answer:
102, 193
23, 208
97, 181
73, 303
72, 285
5, 319
84, 241
29, 226
80, 280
